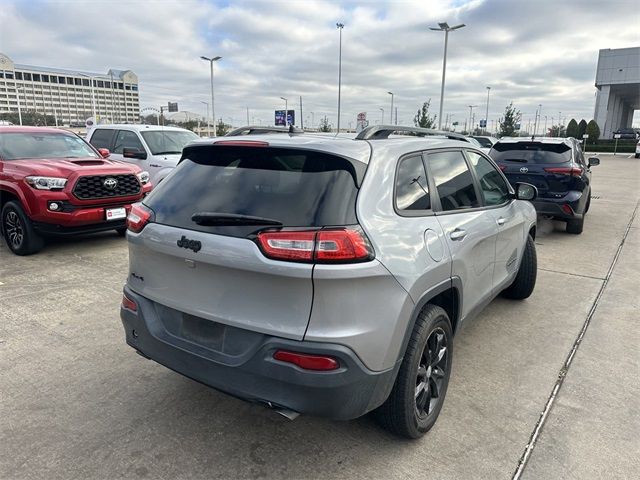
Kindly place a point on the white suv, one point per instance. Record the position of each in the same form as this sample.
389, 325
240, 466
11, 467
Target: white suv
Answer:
156, 149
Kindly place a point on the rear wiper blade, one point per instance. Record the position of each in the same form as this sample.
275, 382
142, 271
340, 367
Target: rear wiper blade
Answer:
229, 219
520, 160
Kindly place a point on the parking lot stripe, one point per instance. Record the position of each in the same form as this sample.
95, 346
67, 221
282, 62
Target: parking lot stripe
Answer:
567, 363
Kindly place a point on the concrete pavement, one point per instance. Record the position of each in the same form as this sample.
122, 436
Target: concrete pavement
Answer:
76, 402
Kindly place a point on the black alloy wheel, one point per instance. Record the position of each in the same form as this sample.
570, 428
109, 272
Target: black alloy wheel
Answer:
431, 373
13, 229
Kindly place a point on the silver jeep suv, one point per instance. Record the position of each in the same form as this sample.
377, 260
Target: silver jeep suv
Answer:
324, 275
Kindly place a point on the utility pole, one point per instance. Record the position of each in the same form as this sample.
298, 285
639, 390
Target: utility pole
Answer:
213, 108
301, 117
486, 117
391, 111
382, 119
471, 107
339, 26
286, 111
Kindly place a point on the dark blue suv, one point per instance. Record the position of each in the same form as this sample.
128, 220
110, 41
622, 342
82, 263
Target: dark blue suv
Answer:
557, 167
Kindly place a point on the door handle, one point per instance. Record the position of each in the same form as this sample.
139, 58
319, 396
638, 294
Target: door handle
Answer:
458, 234
154, 165
501, 221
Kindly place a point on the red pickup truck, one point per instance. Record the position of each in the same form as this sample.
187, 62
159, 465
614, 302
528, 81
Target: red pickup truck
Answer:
52, 182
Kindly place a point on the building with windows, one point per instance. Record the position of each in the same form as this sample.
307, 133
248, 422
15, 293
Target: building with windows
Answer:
618, 84
68, 95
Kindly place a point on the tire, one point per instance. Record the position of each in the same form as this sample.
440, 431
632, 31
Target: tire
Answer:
575, 226
122, 231
420, 369
586, 209
525, 281
19, 234
637, 155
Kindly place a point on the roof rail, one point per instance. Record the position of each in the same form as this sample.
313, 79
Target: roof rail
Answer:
261, 130
379, 132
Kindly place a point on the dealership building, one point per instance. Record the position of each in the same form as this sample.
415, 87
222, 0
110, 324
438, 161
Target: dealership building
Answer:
71, 96
618, 84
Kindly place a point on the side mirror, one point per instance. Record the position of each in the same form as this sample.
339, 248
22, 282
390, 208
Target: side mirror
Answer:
104, 152
526, 191
131, 152
594, 161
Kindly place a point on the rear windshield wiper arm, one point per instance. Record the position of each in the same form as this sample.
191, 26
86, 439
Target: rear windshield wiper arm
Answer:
229, 219
520, 160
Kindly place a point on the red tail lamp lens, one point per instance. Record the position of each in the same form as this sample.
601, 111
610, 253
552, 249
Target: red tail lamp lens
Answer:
574, 172
138, 217
285, 245
566, 208
341, 245
129, 304
307, 361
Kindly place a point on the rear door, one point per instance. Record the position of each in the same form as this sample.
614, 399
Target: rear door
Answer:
470, 232
218, 271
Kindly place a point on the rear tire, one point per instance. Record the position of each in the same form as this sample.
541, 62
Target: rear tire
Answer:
575, 226
418, 393
525, 281
19, 234
122, 231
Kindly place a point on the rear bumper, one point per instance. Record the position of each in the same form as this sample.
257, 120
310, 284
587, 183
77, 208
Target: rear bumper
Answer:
251, 372
554, 207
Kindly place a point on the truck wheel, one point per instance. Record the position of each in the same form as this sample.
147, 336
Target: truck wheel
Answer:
421, 385
18, 230
525, 280
122, 231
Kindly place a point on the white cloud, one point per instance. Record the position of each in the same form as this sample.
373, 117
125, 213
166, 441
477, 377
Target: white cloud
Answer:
530, 52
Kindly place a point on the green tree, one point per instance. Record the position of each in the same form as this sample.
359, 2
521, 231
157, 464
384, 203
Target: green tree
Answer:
582, 128
221, 128
325, 126
509, 121
593, 130
572, 128
423, 119
557, 131
29, 117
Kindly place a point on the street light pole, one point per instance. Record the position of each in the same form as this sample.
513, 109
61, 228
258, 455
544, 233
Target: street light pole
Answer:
382, 119
486, 117
444, 27
208, 122
391, 118
471, 107
213, 108
286, 111
339, 26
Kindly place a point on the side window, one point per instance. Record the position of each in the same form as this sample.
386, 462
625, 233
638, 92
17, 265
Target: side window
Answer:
412, 189
126, 139
453, 180
493, 187
101, 138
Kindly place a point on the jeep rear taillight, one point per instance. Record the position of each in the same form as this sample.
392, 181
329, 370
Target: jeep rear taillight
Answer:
138, 217
339, 245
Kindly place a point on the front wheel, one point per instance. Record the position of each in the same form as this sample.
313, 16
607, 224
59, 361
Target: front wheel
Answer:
18, 230
525, 281
575, 226
418, 393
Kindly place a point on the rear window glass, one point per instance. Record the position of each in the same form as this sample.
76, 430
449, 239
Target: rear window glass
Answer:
531, 152
298, 188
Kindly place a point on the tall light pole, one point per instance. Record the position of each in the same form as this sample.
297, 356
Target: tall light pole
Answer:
213, 108
19, 108
93, 97
471, 107
538, 118
444, 27
486, 117
286, 111
208, 122
339, 26
382, 119
391, 93
545, 126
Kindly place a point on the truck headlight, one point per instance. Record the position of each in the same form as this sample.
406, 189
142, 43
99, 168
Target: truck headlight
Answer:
46, 183
143, 177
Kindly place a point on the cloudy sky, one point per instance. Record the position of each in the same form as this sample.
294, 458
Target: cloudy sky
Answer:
529, 52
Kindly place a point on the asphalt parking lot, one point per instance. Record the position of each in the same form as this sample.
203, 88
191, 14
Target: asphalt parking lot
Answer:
77, 402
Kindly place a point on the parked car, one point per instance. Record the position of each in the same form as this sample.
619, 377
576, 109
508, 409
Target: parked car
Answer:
155, 149
557, 168
485, 141
52, 182
626, 133
325, 276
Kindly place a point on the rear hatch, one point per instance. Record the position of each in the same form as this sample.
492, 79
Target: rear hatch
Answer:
547, 166
200, 255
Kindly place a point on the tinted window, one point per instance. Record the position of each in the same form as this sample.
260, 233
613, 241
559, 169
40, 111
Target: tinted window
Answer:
531, 152
493, 187
485, 142
14, 146
412, 190
101, 138
453, 180
296, 187
126, 139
